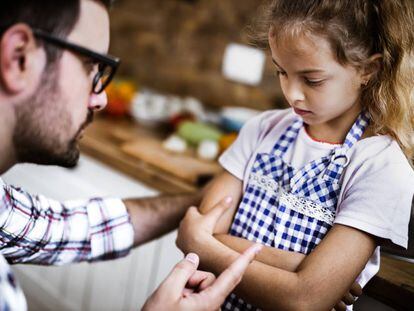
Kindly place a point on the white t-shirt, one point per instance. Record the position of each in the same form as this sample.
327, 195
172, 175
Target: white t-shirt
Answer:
377, 185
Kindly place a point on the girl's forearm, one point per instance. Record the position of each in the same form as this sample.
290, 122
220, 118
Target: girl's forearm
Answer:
264, 286
319, 282
271, 256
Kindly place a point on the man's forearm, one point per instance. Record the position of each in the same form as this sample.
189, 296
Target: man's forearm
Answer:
155, 216
271, 256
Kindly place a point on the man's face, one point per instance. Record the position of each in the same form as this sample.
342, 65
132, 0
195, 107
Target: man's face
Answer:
50, 122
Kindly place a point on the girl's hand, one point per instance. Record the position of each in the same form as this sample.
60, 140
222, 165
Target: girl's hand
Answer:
350, 297
186, 288
197, 229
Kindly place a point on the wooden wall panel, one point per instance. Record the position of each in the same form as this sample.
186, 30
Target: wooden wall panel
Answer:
177, 47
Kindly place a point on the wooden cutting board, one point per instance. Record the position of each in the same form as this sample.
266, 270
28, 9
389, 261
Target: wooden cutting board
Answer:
187, 167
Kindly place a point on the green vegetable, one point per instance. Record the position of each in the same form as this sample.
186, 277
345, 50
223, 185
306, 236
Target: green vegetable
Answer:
196, 132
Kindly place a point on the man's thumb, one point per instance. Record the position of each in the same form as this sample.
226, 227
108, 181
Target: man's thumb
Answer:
181, 273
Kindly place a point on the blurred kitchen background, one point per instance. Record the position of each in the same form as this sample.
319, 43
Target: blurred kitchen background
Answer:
189, 79
178, 47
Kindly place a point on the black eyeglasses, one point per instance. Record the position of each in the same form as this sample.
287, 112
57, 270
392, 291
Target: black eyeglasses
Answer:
107, 64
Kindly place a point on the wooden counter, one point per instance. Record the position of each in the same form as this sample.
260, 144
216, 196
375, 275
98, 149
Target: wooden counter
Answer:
393, 285
103, 140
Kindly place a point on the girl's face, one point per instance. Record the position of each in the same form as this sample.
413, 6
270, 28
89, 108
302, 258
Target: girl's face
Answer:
315, 84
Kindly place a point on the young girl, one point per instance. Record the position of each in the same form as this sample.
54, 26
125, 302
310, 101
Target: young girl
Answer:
322, 184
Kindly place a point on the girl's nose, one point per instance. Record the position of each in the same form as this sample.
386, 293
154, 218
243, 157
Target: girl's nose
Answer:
98, 101
293, 92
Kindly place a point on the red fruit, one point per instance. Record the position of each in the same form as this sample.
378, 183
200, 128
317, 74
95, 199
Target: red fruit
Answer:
177, 119
117, 107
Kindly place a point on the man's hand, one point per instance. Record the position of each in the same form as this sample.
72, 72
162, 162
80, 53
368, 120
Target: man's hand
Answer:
196, 228
186, 288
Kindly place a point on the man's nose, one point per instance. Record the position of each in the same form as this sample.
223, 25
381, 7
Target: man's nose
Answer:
98, 101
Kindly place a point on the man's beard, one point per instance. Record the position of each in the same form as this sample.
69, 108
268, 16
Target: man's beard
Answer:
41, 124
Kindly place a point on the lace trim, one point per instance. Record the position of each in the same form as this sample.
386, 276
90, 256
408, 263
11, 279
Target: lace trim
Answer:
298, 204
307, 207
265, 182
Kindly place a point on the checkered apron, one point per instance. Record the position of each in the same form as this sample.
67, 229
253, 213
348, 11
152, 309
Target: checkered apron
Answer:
287, 208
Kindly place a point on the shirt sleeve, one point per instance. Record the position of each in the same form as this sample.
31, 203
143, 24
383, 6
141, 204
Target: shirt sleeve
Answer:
378, 201
39, 230
11, 295
237, 156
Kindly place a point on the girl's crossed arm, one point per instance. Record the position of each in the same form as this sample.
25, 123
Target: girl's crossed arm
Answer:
228, 185
270, 272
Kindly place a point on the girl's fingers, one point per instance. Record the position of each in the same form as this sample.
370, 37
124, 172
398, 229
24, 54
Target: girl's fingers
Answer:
348, 299
218, 210
340, 306
356, 289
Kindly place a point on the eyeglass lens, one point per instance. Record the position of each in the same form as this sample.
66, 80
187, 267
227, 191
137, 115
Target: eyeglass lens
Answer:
103, 78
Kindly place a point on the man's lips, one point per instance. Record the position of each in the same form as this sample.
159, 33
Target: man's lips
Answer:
88, 121
301, 112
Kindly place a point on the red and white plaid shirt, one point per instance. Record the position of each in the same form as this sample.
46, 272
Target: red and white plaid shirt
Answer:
38, 230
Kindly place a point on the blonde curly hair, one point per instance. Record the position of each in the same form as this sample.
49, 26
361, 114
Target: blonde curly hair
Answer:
356, 30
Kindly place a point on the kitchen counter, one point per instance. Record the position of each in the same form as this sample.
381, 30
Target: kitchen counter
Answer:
103, 140
393, 285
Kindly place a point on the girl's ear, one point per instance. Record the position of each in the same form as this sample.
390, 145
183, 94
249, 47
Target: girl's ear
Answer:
371, 68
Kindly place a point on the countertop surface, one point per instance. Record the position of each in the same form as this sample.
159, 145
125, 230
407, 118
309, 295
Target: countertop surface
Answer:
103, 140
394, 284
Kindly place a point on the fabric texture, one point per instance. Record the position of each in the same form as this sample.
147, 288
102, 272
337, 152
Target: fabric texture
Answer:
294, 188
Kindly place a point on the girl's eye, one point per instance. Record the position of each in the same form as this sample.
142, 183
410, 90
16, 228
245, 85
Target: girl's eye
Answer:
311, 82
280, 73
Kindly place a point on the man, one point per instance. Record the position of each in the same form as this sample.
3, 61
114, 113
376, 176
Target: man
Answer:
53, 72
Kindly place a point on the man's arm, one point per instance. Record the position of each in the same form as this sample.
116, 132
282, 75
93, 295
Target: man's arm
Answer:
39, 230
156, 216
319, 282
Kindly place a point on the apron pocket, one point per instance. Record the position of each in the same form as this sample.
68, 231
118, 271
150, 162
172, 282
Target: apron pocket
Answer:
255, 217
300, 223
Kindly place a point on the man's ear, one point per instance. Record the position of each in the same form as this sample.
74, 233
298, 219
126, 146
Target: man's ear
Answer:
371, 68
18, 51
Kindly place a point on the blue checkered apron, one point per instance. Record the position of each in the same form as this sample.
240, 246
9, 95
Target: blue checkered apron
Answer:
287, 208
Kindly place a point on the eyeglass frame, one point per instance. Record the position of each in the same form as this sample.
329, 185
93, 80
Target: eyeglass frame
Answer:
106, 59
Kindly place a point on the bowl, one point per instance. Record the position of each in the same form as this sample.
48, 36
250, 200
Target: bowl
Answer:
233, 118
150, 110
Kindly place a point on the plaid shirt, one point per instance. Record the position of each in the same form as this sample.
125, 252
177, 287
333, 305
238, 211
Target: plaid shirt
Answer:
38, 230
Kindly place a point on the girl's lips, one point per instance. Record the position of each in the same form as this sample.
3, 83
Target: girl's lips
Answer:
301, 112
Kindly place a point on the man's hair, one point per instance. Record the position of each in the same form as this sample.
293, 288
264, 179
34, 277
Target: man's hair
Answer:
56, 17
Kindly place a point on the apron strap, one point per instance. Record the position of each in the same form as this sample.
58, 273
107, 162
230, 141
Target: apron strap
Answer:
340, 157
287, 138
333, 164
